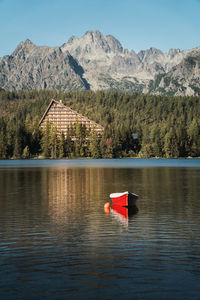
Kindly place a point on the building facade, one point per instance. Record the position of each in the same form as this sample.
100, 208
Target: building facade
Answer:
64, 118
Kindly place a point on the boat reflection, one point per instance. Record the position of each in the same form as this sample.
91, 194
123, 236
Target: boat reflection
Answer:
123, 214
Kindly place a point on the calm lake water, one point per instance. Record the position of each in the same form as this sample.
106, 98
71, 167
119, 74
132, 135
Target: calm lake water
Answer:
57, 242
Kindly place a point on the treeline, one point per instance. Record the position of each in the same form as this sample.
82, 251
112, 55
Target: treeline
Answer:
136, 125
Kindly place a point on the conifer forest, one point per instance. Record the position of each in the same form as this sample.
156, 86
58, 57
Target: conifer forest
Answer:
135, 125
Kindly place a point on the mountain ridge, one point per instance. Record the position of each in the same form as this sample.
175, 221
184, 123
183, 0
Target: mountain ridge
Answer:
95, 61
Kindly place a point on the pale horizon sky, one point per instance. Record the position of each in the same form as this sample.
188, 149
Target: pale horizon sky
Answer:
137, 24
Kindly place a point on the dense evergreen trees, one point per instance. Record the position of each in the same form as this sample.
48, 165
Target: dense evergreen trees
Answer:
136, 125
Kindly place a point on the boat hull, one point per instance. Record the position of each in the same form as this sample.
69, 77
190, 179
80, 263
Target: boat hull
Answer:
125, 199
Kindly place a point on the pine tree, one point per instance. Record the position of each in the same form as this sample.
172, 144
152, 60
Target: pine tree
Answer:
171, 144
94, 145
69, 147
45, 141
61, 146
3, 141
194, 138
20, 136
53, 140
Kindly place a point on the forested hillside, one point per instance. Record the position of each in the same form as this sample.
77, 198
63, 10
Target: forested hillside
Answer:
136, 125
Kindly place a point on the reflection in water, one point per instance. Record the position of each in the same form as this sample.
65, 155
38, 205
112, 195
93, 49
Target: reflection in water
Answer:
71, 191
67, 195
53, 228
123, 214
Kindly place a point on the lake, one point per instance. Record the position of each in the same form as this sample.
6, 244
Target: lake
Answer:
58, 242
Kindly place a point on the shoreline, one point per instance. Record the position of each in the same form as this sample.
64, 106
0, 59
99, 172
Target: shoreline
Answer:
103, 158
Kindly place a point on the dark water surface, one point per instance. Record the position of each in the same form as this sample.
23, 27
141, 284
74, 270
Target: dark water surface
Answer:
57, 242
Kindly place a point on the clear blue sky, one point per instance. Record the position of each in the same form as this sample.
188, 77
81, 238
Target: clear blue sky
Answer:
137, 24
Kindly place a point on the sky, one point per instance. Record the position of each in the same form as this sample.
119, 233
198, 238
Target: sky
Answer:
137, 24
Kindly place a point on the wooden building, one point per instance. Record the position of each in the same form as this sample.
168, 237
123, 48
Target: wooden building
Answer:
64, 118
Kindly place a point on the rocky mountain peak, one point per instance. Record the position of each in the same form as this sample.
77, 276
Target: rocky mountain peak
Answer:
97, 61
150, 54
93, 35
172, 52
71, 40
92, 42
115, 45
28, 42
155, 50
24, 47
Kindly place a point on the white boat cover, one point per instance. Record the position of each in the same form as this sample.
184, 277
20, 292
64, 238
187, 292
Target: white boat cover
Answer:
115, 195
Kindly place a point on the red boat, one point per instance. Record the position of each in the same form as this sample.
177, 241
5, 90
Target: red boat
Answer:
124, 199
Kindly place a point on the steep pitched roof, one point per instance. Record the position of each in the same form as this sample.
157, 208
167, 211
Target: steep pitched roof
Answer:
69, 109
48, 108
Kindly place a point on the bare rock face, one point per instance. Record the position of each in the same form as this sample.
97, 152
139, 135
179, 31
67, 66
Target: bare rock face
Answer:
93, 50
183, 79
32, 67
103, 57
95, 61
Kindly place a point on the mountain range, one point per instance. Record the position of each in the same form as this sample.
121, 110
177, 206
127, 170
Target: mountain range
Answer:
96, 62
